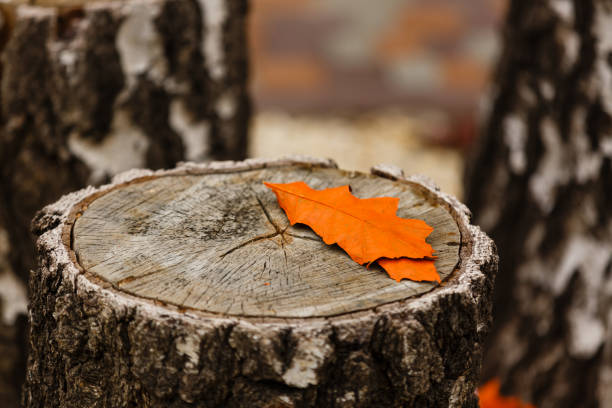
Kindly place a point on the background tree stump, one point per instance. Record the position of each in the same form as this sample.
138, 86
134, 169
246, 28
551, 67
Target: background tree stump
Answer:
13, 305
90, 89
541, 185
189, 288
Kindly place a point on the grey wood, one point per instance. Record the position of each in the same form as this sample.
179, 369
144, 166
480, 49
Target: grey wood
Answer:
117, 317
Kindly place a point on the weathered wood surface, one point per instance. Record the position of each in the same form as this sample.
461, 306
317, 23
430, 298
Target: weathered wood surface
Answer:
221, 243
541, 185
152, 291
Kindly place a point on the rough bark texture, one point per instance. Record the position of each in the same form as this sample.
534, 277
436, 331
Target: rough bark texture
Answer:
95, 345
13, 304
541, 185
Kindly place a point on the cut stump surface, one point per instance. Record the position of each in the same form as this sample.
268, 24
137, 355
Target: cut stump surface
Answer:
220, 243
191, 286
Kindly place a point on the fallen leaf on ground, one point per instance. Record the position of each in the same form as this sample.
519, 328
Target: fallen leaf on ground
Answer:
367, 229
491, 398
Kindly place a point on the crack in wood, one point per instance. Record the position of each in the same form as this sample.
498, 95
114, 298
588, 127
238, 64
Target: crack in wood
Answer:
265, 211
133, 278
250, 241
304, 237
278, 230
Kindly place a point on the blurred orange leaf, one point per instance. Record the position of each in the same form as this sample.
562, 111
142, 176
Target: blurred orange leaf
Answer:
491, 398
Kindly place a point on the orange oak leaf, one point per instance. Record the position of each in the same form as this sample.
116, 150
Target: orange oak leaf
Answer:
413, 269
491, 398
367, 229
406, 268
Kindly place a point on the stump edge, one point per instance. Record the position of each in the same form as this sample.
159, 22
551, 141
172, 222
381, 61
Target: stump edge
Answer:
477, 248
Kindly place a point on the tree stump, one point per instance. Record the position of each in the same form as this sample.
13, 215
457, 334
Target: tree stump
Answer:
188, 287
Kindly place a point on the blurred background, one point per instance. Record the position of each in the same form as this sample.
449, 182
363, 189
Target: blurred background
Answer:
363, 82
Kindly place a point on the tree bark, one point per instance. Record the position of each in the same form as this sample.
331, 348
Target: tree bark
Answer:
13, 304
189, 287
540, 184
91, 89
